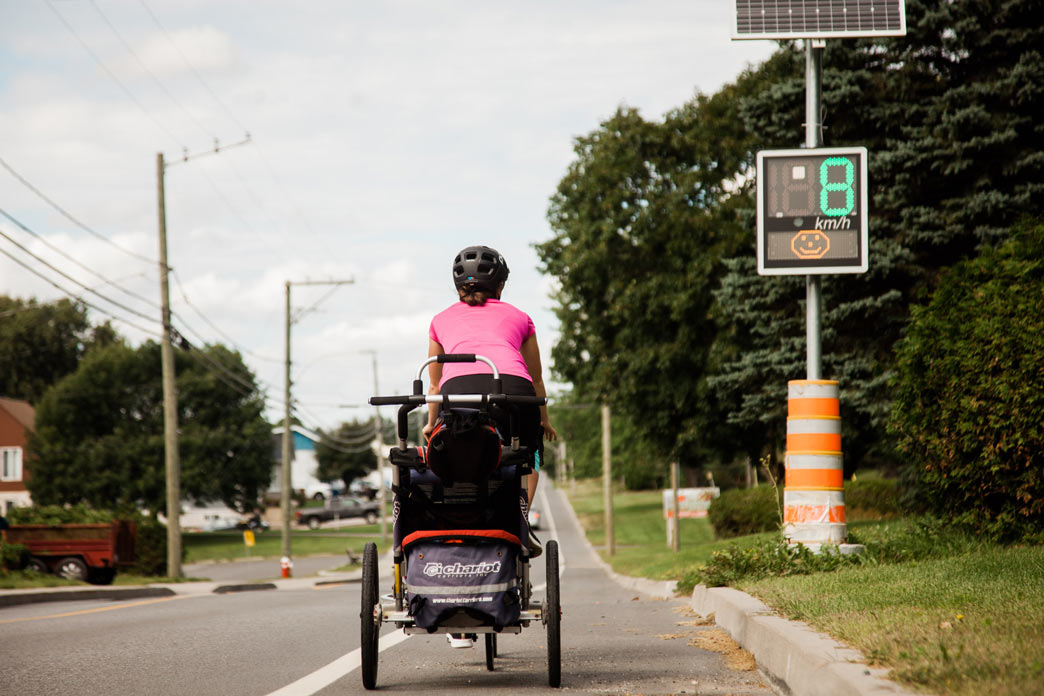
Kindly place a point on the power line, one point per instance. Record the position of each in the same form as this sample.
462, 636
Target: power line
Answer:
63, 273
90, 270
69, 216
260, 153
192, 68
76, 297
110, 73
184, 297
145, 68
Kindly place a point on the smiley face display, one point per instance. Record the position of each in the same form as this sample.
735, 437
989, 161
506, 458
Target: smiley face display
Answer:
810, 244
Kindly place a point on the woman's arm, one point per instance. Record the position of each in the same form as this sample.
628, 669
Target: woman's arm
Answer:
434, 377
531, 355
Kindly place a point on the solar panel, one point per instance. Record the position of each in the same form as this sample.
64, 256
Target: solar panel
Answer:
800, 19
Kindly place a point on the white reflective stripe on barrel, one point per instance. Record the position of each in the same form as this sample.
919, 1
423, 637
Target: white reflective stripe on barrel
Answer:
809, 426
818, 460
812, 389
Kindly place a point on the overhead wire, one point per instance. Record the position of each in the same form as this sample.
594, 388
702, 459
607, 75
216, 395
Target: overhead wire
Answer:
145, 68
25, 182
110, 73
260, 153
184, 297
63, 273
77, 297
106, 281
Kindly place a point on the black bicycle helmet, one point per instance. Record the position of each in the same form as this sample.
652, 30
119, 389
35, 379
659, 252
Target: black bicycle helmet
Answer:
481, 267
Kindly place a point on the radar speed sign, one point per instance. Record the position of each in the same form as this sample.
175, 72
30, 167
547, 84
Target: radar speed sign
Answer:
812, 211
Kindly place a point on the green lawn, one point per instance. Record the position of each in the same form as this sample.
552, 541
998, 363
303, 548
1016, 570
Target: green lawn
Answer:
220, 546
969, 622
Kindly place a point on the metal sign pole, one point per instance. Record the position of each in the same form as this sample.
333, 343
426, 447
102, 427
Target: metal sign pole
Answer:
813, 139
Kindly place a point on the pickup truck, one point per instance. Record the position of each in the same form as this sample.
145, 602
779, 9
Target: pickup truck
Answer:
339, 508
88, 552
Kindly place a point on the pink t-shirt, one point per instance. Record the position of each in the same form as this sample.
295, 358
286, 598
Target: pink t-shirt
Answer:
495, 330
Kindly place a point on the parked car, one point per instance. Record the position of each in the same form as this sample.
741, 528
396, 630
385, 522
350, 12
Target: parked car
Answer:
342, 507
322, 491
362, 488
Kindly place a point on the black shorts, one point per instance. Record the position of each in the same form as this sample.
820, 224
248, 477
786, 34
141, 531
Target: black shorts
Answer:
531, 433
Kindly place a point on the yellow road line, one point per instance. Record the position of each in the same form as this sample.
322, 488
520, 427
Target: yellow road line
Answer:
98, 609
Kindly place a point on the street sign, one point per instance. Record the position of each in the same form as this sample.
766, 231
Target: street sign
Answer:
812, 211
818, 19
692, 502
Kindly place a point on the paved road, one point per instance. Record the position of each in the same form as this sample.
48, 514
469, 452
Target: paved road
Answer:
303, 639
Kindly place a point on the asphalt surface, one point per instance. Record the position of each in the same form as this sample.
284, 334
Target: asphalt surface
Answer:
791, 658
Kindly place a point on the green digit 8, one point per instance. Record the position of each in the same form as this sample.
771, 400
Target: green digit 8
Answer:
829, 186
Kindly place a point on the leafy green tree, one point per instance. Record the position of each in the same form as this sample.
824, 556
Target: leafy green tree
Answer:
42, 342
99, 431
640, 222
954, 160
969, 392
346, 453
579, 424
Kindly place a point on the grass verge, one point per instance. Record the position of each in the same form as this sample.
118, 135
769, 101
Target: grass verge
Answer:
947, 613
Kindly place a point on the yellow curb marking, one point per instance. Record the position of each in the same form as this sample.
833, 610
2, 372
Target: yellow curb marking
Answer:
97, 609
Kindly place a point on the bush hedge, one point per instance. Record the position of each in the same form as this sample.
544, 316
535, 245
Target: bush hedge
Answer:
743, 511
968, 407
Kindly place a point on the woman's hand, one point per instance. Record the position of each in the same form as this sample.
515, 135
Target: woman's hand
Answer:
549, 432
426, 430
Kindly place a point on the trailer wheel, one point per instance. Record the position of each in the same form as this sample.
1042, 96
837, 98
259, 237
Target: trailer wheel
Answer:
313, 523
553, 607
368, 618
72, 568
37, 565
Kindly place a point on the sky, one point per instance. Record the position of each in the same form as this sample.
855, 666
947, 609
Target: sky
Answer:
360, 141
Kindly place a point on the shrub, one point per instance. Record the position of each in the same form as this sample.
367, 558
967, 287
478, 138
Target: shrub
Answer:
900, 542
872, 499
151, 549
12, 556
742, 511
968, 408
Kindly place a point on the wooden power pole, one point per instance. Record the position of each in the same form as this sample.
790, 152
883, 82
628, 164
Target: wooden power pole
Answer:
170, 395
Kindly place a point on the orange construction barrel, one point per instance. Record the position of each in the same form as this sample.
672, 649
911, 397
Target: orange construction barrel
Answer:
813, 490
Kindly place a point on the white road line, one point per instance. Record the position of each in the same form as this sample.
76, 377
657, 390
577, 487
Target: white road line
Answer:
552, 532
324, 676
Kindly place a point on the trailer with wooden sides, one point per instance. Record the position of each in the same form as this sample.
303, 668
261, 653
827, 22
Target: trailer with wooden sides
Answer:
88, 552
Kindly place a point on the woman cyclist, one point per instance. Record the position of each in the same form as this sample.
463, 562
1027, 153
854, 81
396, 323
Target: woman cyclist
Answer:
480, 323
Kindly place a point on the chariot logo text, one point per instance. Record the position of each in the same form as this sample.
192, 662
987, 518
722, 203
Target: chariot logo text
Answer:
460, 569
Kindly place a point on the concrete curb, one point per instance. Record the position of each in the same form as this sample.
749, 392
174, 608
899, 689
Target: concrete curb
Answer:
806, 662
11, 598
664, 589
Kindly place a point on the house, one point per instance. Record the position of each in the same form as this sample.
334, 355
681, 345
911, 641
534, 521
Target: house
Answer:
17, 419
304, 465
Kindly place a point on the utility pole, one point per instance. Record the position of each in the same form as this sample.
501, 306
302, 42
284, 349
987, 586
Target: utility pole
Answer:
172, 458
607, 483
379, 447
813, 139
287, 453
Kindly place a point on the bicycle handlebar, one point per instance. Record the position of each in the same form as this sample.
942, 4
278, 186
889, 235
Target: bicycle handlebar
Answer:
417, 400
